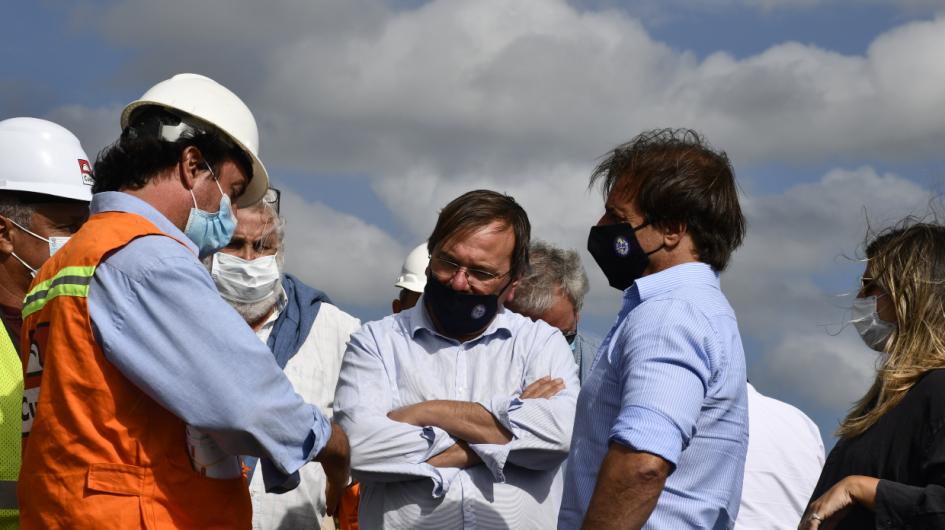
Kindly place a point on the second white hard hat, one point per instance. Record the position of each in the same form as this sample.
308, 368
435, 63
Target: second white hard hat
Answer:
413, 275
213, 103
39, 156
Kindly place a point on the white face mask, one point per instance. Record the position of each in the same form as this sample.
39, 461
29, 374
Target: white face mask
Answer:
242, 281
55, 243
874, 330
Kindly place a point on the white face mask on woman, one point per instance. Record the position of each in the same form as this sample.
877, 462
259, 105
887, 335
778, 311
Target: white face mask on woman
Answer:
874, 330
242, 281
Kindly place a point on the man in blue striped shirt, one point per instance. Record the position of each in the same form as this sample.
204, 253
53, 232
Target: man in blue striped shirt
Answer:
662, 419
459, 412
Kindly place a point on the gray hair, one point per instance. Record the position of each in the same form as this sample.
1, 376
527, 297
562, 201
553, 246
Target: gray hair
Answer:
277, 227
13, 207
551, 269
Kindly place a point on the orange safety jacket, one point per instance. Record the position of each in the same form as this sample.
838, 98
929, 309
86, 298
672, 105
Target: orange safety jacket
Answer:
102, 454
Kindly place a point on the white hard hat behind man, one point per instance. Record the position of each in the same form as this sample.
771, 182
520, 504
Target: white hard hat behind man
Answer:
39, 156
412, 279
213, 104
45, 185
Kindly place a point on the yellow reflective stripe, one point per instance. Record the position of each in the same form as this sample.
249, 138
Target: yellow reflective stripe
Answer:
65, 271
70, 281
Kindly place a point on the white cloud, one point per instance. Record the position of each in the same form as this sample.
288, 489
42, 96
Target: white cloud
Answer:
96, 127
464, 86
912, 6
354, 262
489, 86
802, 244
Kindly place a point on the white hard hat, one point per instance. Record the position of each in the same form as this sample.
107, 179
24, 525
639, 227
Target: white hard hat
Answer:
413, 275
40, 156
213, 103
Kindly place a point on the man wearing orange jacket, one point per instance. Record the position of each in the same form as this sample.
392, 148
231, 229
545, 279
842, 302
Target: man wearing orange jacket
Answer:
150, 381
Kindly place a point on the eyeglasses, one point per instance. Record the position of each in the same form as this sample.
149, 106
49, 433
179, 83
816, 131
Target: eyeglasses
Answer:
272, 197
445, 269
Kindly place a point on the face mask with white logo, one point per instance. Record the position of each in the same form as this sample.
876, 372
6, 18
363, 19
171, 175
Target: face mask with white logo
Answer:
874, 330
242, 281
55, 243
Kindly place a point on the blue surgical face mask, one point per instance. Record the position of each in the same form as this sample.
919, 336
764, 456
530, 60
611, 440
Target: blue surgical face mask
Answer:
211, 231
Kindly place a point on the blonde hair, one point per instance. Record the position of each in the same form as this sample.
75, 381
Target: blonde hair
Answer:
907, 264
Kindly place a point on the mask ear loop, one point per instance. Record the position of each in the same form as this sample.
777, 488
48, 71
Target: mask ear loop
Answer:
31, 269
37, 236
30, 232
215, 179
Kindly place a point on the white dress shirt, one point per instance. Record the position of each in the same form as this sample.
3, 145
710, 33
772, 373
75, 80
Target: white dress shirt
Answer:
785, 456
313, 372
400, 361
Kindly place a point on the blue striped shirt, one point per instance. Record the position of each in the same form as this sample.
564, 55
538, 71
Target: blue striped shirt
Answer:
401, 360
669, 380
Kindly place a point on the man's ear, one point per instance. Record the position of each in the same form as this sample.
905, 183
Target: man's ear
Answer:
6, 237
672, 234
510, 291
191, 166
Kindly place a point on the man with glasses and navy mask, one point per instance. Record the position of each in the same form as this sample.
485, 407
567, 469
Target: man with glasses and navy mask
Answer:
459, 412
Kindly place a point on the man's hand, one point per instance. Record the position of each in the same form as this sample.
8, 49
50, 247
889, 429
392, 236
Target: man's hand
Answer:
335, 459
543, 388
411, 415
458, 455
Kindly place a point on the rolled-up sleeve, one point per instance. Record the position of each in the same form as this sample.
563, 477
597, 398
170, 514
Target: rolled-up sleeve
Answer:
161, 322
383, 450
665, 368
541, 428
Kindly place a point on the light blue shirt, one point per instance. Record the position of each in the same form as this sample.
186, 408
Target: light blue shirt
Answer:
401, 360
668, 380
160, 320
584, 349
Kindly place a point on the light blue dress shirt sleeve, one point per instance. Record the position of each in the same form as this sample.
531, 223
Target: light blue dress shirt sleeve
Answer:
665, 368
383, 450
541, 428
161, 322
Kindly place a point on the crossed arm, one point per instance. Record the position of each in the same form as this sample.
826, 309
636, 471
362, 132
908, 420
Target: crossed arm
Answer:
468, 422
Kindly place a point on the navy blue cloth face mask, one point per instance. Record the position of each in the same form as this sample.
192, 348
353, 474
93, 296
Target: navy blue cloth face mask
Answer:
617, 252
459, 314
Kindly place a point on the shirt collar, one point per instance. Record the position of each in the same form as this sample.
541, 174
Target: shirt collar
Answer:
417, 319
116, 201
281, 302
693, 273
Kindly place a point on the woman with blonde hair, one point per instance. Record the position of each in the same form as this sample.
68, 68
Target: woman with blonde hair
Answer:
888, 468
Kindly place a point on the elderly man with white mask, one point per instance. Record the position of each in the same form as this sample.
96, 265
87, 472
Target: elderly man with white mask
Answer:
304, 331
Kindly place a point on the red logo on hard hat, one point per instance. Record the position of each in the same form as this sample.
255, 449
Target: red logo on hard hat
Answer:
86, 169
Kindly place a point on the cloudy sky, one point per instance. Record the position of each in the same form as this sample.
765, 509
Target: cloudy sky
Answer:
373, 115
